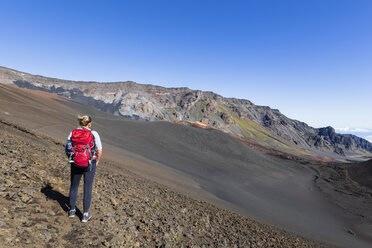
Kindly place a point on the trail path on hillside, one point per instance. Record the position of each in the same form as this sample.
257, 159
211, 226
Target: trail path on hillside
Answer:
207, 165
128, 211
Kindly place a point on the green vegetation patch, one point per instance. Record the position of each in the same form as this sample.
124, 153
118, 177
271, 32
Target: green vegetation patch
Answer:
196, 112
264, 137
169, 112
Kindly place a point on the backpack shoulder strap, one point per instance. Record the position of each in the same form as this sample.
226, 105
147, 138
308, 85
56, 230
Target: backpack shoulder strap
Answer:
94, 139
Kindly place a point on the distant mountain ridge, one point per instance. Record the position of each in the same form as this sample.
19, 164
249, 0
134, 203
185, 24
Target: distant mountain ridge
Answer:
266, 126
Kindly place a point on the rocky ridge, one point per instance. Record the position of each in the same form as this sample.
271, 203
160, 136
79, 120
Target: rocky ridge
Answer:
128, 211
240, 117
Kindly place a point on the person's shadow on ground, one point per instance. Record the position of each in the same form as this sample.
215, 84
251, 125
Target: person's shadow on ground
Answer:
50, 193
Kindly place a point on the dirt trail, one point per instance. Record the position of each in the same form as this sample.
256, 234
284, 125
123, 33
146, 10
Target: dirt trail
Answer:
128, 211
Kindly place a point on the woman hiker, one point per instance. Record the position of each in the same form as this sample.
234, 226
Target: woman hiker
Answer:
85, 149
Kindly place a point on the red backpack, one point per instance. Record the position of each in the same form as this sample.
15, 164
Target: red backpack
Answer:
82, 141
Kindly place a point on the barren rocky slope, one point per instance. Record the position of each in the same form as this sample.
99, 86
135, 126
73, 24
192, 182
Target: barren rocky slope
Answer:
211, 166
264, 125
362, 173
128, 211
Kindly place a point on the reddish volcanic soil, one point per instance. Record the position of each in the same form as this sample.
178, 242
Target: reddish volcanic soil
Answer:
205, 164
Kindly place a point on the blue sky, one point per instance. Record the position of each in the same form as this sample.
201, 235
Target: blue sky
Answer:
311, 60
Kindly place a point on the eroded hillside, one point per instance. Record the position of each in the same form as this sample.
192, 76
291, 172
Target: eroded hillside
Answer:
264, 125
128, 211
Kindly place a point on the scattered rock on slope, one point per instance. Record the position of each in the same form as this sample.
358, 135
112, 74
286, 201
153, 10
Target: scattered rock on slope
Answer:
128, 211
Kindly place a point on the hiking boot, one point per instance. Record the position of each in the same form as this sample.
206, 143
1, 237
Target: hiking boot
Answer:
86, 217
71, 213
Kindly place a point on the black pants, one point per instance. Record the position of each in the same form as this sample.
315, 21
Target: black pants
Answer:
76, 174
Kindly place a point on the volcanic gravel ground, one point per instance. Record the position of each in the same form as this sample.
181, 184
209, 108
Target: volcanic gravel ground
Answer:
128, 211
335, 182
